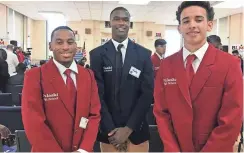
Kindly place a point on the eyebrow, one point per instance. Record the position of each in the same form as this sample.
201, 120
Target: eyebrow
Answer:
185, 18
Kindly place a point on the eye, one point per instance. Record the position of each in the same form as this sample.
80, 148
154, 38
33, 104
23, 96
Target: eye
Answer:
59, 42
186, 21
70, 42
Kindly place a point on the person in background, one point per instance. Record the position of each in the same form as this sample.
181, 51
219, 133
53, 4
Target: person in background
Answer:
199, 90
19, 54
4, 75
42, 62
12, 60
82, 61
78, 55
60, 102
18, 78
237, 54
160, 46
4, 132
215, 41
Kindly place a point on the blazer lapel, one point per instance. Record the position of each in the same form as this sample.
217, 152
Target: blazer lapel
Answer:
110, 52
180, 74
130, 58
58, 84
203, 73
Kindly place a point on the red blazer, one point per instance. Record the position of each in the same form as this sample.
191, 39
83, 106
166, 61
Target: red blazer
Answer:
57, 129
156, 63
208, 116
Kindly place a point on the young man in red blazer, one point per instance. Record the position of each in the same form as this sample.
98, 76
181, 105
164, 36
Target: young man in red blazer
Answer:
198, 90
60, 103
160, 46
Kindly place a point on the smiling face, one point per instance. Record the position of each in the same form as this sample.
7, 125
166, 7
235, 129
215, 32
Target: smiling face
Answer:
194, 26
63, 46
120, 22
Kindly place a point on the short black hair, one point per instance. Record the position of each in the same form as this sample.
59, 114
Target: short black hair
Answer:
20, 68
235, 52
213, 39
204, 4
42, 62
61, 28
3, 54
118, 9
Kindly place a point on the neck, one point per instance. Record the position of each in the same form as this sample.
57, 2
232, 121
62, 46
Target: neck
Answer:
194, 47
119, 39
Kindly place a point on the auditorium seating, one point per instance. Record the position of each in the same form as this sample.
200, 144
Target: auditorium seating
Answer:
6, 99
15, 94
11, 117
22, 142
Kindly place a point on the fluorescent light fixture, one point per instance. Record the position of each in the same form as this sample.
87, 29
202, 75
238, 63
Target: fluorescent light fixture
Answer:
231, 4
134, 2
52, 15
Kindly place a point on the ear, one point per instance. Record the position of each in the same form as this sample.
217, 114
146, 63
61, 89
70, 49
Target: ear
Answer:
179, 29
210, 26
50, 47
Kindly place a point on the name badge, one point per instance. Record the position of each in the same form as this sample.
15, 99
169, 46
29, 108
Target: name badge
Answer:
107, 69
134, 72
83, 122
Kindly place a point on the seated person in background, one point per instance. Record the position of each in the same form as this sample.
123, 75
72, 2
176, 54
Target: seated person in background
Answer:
4, 75
215, 41
237, 54
18, 78
82, 61
4, 131
42, 62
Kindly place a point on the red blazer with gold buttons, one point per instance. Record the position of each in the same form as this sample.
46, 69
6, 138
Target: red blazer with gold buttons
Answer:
48, 120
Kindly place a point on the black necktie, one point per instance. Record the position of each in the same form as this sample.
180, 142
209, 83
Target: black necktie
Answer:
119, 65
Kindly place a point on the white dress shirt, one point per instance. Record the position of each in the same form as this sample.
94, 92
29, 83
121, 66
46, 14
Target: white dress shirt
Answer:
74, 69
160, 57
123, 49
62, 69
199, 56
12, 61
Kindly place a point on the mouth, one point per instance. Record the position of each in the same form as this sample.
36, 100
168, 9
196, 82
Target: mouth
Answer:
193, 33
67, 54
121, 29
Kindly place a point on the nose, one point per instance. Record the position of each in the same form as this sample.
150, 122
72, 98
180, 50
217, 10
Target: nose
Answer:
65, 46
192, 24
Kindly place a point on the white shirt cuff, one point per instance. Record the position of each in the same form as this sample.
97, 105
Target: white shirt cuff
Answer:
82, 151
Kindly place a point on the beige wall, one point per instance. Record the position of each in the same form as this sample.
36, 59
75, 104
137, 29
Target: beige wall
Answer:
236, 27
38, 39
3, 25
98, 31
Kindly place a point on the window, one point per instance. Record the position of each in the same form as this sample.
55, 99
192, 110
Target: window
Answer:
173, 39
54, 19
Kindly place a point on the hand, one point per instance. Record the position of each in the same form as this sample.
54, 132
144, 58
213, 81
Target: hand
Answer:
4, 131
119, 135
123, 147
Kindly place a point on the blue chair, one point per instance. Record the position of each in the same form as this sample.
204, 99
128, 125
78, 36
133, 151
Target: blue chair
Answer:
22, 142
6, 99
11, 118
15, 94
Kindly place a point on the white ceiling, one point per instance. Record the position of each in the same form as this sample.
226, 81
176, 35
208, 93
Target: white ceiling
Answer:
161, 12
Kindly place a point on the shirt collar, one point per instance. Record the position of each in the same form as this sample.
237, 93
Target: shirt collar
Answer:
199, 53
160, 57
62, 69
125, 43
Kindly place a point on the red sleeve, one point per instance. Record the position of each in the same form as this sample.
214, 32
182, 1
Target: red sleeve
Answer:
230, 114
91, 131
33, 116
162, 116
